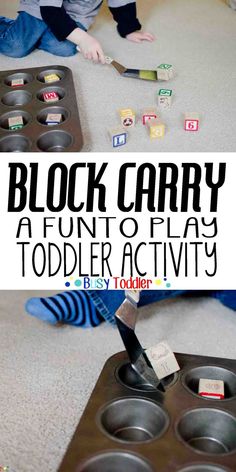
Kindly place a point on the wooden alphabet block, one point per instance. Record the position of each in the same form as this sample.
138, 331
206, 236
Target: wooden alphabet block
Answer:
191, 121
51, 78
209, 388
165, 98
127, 117
15, 122
53, 119
148, 114
50, 97
162, 359
17, 82
165, 72
118, 137
156, 129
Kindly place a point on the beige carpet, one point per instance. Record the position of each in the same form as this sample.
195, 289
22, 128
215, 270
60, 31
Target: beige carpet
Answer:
197, 36
47, 373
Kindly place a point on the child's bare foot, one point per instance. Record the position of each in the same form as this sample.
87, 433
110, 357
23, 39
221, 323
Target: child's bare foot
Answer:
139, 36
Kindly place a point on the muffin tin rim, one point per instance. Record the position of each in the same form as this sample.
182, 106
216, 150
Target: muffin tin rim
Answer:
186, 468
128, 452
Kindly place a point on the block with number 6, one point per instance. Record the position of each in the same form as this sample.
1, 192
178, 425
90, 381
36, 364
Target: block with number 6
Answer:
191, 121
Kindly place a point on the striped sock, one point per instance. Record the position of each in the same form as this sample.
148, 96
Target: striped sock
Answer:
74, 307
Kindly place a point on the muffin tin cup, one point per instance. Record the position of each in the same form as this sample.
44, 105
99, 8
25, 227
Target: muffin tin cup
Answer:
56, 70
208, 430
42, 115
133, 419
129, 377
59, 90
27, 100
173, 431
15, 143
54, 141
116, 462
4, 118
191, 379
203, 468
16, 98
18, 75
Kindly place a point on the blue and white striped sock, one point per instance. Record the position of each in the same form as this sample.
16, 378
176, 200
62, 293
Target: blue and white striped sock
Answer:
74, 307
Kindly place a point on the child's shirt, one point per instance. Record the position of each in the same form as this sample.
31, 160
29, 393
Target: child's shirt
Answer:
81, 11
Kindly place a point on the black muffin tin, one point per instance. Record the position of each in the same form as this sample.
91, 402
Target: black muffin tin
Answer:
129, 427
27, 100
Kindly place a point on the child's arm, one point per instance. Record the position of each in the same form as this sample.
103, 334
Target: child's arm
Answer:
64, 27
88, 45
128, 25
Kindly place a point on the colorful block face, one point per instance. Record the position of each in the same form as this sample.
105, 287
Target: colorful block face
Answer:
164, 71
51, 78
157, 130
17, 82
127, 117
129, 121
165, 93
164, 98
209, 388
50, 97
148, 116
119, 139
15, 122
164, 66
53, 119
191, 125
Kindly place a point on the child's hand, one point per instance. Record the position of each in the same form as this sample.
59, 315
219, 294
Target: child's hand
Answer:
91, 48
139, 36
88, 45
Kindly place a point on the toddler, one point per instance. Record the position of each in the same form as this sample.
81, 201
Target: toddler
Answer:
59, 26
